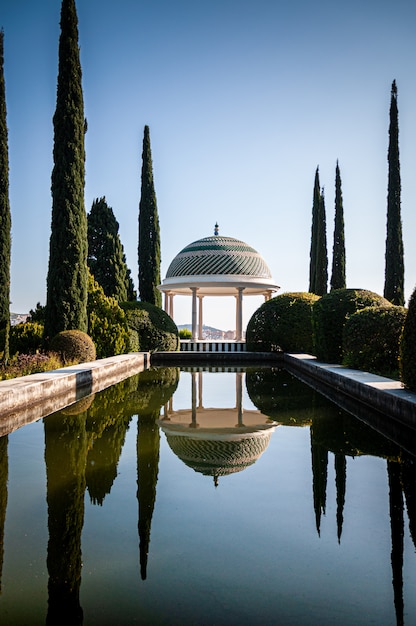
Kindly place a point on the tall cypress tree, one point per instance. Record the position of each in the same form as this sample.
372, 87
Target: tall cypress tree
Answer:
67, 282
106, 258
314, 233
338, 280
5, 217
394, 269
149, 232
321, 285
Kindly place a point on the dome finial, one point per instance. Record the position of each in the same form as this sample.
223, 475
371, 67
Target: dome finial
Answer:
216, 229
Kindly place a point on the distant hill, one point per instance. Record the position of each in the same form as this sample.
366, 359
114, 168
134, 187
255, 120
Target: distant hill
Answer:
208, 329
17, 318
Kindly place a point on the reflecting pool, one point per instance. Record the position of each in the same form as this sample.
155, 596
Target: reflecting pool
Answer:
203, 497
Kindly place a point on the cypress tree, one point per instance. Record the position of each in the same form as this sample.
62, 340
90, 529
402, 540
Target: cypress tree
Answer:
338, 280
314, 233
106, 258
5, 217
149, 233
67, 282
321, 284
394, 268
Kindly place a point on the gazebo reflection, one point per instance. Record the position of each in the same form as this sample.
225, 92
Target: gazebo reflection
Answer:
216, 441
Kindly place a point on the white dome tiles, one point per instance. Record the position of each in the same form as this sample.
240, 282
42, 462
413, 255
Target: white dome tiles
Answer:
218, 255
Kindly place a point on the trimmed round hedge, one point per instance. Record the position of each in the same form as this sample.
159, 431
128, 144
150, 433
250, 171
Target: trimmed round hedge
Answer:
408, 347
282, 323
73, 346
329, 315
371, 339
151, 329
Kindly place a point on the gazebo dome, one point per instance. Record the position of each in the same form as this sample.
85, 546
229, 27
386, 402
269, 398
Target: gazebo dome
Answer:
217, 266
218, 255
219, 455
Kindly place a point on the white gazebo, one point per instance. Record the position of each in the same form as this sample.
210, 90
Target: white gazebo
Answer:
217, 266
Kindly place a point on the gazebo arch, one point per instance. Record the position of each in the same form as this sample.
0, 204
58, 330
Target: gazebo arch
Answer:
216, 266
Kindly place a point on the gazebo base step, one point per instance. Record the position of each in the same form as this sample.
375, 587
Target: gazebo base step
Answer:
212, 346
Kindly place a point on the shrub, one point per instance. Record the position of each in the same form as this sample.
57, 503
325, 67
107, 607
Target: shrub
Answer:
37, 314
407, 347
185, 333
73, 346
156, 331
26, 338
25, 364
283, 322
107, 324
329, 315
371, 339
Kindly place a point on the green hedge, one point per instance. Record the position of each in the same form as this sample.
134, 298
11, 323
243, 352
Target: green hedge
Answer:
329, 315
25, 338
408, 347
371, 339
73, 346
151, 328
284, 322
107, 324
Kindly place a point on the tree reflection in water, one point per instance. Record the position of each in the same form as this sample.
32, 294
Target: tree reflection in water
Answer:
84, 443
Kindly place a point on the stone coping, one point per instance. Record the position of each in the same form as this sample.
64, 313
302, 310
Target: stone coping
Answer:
28, 398
378, 393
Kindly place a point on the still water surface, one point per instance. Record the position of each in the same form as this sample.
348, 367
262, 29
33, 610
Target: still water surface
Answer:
207, 498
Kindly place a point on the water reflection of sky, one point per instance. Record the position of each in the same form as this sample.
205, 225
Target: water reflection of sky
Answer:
246, 552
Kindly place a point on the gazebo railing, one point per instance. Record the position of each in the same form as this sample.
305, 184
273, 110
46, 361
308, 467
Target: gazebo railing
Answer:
213, 346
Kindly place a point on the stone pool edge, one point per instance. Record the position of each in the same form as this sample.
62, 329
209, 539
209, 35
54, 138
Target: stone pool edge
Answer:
28, 398
378, 393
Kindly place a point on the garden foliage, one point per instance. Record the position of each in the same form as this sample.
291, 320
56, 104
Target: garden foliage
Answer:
26, 338
282, 323
329, 316
149, 231
106, 258
107, 324
408, 347
371, 339
67, 281
152, 328
5, 217
73, 346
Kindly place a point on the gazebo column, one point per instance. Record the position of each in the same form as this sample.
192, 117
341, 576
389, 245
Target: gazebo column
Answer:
194, 324
239, 315
200, 318
169, 303
239, 397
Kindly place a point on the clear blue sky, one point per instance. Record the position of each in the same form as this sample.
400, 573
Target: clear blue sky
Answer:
243, 99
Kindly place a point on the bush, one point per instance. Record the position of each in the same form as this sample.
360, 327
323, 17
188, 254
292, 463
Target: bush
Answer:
185, 333
107, 324
26, 338
73, 346
408, 347
156, 331
38, 314
284, 322
371, 339
329, 315
25, 364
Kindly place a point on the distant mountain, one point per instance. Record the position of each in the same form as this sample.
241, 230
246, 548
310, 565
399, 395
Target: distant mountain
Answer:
208, 329
18, 318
